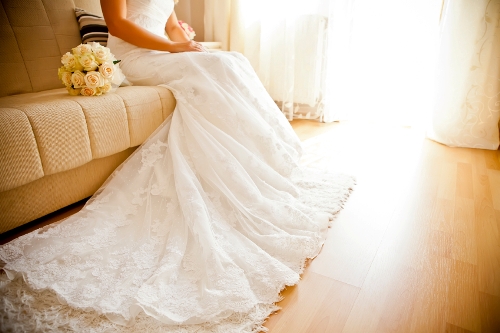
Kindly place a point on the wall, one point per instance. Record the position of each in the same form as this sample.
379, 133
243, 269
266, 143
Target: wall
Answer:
192, 12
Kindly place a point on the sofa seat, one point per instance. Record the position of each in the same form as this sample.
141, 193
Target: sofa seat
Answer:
56, 149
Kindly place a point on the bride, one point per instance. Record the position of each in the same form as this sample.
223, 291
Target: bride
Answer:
201, 228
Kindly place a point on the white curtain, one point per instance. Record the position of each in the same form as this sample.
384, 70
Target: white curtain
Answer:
284, 41
192, 12
335, 59
374, 61
218, 21
467, 105
381, 59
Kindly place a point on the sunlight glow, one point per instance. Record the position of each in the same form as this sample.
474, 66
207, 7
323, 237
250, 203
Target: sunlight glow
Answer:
389, 64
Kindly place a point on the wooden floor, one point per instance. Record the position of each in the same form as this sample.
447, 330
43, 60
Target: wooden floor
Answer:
417, 246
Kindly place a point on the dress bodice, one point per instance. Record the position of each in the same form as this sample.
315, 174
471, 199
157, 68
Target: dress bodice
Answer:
151, 15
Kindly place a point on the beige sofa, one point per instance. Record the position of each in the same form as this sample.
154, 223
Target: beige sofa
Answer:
57, 149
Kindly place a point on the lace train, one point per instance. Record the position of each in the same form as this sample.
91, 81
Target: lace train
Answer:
27, 309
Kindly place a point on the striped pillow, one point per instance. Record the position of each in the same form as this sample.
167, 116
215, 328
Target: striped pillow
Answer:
92, 27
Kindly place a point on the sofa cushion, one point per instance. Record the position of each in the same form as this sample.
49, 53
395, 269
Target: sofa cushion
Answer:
49, 193
69, 131
144, 111
14, 78
19, 159
61, 15
61, 132
92, 27
107, 124
43, 30
167, 101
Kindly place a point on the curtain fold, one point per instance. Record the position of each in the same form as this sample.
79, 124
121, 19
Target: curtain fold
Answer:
467, 107
388, 61
285, 41
336, 59
338, 65
381, 57
217, 21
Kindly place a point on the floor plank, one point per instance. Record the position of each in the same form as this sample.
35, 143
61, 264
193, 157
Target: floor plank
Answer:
491, 159
455, 329
353, 241
464, 243
487, 229
490, 313
494, 178
448, 181
464, 181
463, 297
431, 301
317, 304
334, 310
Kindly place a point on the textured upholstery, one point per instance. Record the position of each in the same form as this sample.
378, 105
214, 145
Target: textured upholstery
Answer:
144, 112
61, 14
44, 31
107, 123
14, 77
61, 133
167, 100
19, 159
50, 193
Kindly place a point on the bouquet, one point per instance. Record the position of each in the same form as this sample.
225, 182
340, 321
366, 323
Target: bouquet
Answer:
187, 28
90, 70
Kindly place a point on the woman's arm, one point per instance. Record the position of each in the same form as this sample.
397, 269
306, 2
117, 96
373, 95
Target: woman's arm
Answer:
115, 14
174, 30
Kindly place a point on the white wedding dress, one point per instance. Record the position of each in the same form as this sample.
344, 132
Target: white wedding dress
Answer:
199, 230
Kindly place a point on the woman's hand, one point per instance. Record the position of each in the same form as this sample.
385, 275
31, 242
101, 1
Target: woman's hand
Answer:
190, 46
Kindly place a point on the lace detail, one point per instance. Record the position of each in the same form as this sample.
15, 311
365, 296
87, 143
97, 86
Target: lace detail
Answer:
198, 230
152, 154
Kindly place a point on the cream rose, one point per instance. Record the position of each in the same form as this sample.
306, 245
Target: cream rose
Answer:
82, 49
88, 62
107, 70
78, 79
106, 87
101, 53
74, 92
94, 79
88, 91
60, 72
70, 62
66, 79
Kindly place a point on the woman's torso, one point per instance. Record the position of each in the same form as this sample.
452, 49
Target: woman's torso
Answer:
151, 15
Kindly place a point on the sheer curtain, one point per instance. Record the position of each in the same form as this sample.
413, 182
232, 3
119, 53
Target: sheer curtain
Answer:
467, 104
284, 40
404, 62
335, 59
381, 60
